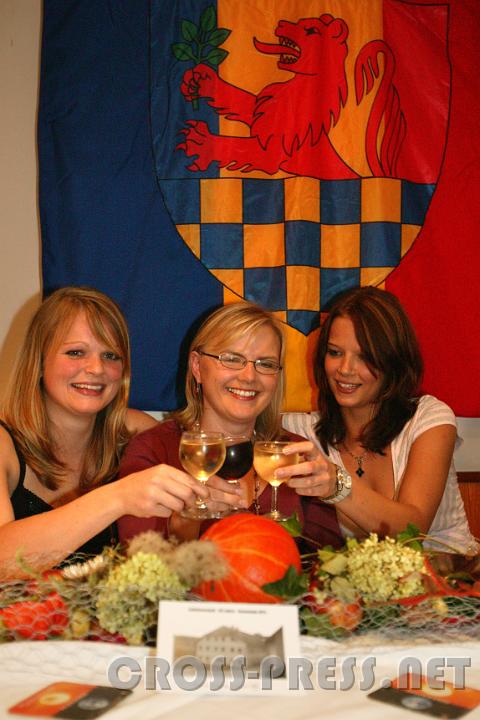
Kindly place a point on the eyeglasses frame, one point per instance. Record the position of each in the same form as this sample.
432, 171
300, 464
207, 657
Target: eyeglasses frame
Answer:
254, 362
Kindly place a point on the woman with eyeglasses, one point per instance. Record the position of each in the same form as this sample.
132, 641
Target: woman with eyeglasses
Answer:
234, 385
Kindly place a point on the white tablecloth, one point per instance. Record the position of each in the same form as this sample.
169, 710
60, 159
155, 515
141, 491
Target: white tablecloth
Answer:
26, 667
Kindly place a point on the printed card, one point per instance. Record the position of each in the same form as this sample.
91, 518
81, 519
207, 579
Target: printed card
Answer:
223, 647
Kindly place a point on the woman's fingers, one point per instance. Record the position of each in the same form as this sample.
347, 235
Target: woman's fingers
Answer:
180, 482
161, 490
304, 468
315, 475
227, 493
165, 503
303, 447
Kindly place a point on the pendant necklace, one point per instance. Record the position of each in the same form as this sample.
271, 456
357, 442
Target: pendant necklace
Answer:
358, 459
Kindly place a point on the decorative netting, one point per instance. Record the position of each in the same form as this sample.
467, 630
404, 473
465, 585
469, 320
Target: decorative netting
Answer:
80, 609
370, 588
433, 619
392, 589
113, 597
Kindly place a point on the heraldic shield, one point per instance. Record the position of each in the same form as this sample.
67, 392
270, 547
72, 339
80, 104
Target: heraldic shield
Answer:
296, 144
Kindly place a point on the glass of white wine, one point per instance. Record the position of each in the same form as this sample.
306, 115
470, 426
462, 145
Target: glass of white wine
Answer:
201, 453
267, 458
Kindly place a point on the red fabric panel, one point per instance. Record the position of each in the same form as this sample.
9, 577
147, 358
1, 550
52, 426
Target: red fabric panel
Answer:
438, 281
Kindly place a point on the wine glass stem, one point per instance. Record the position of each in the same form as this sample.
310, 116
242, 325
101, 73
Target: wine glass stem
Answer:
199, 503
234, 483
274, 499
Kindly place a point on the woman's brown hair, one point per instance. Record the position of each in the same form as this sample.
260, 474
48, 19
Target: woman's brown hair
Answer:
24, 410
390, 348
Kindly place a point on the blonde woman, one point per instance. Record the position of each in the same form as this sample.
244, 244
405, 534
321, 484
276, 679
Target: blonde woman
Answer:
65, 425
234, 385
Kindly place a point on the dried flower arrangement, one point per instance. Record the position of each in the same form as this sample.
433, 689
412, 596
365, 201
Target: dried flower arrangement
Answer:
391, 586
112, 597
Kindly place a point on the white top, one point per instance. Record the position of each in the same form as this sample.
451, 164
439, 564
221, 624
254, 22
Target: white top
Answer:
450, 523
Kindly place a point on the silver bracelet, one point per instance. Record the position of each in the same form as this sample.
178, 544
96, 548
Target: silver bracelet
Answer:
343, 487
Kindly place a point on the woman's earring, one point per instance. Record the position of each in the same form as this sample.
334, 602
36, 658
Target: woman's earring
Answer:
198, 388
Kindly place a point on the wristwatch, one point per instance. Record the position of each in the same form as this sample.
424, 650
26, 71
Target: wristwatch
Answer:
343, 487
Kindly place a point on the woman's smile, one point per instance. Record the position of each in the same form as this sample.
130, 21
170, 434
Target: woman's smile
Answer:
88, 389
242, 394
347, 388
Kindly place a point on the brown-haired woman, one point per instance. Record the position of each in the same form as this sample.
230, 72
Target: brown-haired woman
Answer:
65, 424
387, 452
234, 385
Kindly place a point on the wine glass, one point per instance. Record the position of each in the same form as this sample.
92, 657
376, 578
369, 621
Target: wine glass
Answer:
268, 456
202, 454
238, 461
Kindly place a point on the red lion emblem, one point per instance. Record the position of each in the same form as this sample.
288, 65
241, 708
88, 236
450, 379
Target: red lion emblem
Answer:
290, 121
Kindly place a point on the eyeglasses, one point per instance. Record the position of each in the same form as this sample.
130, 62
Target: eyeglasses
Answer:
232, 361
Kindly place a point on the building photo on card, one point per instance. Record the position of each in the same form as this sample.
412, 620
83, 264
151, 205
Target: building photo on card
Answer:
218, 647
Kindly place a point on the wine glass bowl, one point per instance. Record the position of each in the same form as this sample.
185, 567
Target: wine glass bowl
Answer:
238, 457
268, 457
202, 454
238, 461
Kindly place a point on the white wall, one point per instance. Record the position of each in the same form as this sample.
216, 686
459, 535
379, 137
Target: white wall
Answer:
19, 228
20, 283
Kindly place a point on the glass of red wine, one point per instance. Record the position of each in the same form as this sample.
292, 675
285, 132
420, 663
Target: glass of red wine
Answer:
238, 461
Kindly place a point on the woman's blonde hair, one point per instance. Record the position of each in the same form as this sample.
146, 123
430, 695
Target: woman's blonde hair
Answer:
24, 410
222, 327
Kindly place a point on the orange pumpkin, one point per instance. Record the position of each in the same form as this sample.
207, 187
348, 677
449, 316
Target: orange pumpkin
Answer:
258, 551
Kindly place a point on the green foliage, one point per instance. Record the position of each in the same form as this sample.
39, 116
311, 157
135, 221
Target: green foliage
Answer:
292, 586
410, 536
336, 565
215, 57
189, 30
293, 526
218, 36
182, 51
319, 625
202, 41
377, 616
208, 19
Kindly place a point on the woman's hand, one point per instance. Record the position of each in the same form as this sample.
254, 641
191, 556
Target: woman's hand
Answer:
225, 495
158, 491
315, 475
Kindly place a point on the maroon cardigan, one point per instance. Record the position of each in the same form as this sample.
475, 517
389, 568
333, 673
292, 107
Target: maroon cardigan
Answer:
160, 445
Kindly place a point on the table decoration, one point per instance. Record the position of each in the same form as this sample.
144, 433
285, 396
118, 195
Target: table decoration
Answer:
113, 597
388, 588
391, 587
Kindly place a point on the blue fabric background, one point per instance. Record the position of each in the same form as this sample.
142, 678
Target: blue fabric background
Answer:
103, 219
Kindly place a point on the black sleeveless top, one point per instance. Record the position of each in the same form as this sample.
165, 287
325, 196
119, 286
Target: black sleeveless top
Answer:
25, 504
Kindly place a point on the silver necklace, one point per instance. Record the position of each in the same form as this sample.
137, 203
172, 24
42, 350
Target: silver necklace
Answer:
358, 459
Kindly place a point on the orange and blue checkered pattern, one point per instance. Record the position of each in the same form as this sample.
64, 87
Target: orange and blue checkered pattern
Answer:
292, 244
